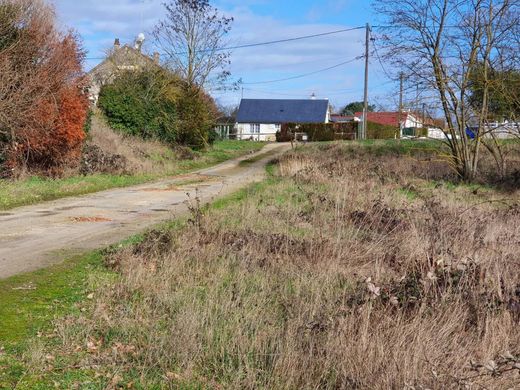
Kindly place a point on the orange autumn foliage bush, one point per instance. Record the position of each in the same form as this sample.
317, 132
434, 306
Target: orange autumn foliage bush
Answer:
42, 98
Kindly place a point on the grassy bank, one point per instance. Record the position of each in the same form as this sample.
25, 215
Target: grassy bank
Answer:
36, 189
350, 267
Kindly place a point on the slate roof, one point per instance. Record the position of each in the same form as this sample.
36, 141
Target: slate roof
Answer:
282, 111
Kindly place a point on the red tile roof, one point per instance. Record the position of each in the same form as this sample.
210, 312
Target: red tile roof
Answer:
384, 118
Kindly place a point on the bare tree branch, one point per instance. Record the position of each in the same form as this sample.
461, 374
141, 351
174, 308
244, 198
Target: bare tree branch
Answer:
191, 36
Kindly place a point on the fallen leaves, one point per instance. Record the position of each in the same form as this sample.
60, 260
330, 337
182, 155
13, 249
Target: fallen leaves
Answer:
90, 219
93, 345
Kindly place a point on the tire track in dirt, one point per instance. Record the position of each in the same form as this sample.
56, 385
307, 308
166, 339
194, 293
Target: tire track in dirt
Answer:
37, 236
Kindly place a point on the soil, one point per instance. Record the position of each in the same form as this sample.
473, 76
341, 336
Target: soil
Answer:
37, 236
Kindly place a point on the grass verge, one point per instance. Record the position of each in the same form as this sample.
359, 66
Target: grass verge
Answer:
341, 270
31, 303
36, 189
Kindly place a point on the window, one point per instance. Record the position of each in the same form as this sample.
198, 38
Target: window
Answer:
278, 127
255, 127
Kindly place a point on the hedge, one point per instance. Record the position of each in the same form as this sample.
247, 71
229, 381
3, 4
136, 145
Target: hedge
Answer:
338, 131
318, 131
378, 131
141, 104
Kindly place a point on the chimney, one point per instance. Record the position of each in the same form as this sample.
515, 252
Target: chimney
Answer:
117, 44
156, 57
139, 42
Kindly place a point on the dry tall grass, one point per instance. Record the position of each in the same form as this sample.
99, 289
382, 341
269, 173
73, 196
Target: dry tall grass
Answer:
134, 155
332, 276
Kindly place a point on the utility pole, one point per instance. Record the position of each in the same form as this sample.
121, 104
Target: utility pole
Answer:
423, 114
363, 134
401, 79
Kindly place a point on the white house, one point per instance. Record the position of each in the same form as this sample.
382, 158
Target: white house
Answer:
260, 119
407, 122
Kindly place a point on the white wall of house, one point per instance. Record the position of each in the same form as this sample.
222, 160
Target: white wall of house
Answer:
503, 130
412, 121
499, 130
435, 133
257, 131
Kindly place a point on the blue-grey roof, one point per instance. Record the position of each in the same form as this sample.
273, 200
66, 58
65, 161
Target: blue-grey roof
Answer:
282, 111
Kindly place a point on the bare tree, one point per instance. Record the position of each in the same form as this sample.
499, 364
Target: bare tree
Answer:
191, 37
439, 44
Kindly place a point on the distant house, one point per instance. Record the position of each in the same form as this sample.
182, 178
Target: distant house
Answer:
407, 122
120, 58
260, 119
501, 130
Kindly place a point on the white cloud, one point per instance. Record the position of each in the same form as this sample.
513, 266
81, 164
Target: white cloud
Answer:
100, 21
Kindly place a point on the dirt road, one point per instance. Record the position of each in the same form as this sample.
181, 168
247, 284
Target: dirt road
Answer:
37, 236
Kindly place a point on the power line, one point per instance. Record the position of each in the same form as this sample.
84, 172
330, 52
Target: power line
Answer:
379, 57
306, 74
405, 26
335, 91
249, 45
290, 39
273, 92
324, 91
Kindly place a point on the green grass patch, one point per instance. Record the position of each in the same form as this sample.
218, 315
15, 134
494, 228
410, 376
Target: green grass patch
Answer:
30, 301
455, 186
400, 147
254, 159
409, 193
36, 189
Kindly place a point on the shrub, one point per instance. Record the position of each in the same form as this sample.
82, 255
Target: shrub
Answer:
319, 131
41, 82
378, 131
142, 104
421, 132
196, 117
284, 135
96, 160
156, 104
213, 136
88, 122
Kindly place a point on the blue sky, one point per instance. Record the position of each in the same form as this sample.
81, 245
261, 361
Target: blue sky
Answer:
100, 21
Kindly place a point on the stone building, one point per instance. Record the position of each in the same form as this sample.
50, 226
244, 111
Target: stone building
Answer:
119, 59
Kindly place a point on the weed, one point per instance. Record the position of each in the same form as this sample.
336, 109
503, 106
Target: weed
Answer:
322, 276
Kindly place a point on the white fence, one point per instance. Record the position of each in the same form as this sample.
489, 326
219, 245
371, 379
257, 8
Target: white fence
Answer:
253, 137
